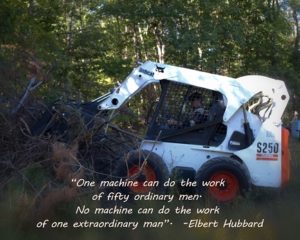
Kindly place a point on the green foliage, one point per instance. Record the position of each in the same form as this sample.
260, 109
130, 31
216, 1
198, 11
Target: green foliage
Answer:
90, 45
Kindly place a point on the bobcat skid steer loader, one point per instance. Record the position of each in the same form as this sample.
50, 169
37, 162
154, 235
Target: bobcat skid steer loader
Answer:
237, 141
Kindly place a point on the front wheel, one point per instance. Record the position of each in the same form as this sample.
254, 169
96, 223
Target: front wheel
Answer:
145, 168
222, 179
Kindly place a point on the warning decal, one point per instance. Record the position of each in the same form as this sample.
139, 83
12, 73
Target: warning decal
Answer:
267, 157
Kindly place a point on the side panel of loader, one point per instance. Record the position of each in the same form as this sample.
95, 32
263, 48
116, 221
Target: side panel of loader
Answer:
263, 158
183, 155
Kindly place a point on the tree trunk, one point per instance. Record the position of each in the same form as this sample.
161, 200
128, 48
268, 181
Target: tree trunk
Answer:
297, 36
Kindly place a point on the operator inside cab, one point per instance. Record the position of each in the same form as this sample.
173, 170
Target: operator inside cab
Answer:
197, 115
198, 111
189, 115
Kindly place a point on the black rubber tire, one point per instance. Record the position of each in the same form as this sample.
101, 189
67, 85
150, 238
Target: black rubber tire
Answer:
233, 169
154, 164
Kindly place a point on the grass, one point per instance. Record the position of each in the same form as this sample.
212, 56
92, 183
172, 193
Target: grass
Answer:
280, 210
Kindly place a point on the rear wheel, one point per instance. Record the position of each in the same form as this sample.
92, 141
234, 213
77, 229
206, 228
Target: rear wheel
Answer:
230, 189
222, 179
146, 168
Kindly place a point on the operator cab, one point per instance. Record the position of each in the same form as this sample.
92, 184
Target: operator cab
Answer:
188, 114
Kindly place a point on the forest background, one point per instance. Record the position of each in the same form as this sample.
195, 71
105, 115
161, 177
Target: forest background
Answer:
85, 47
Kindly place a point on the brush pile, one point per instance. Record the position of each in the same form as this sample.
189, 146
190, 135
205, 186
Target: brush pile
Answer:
45, 147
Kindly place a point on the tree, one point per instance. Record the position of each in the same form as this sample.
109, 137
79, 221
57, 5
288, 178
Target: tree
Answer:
91, 45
